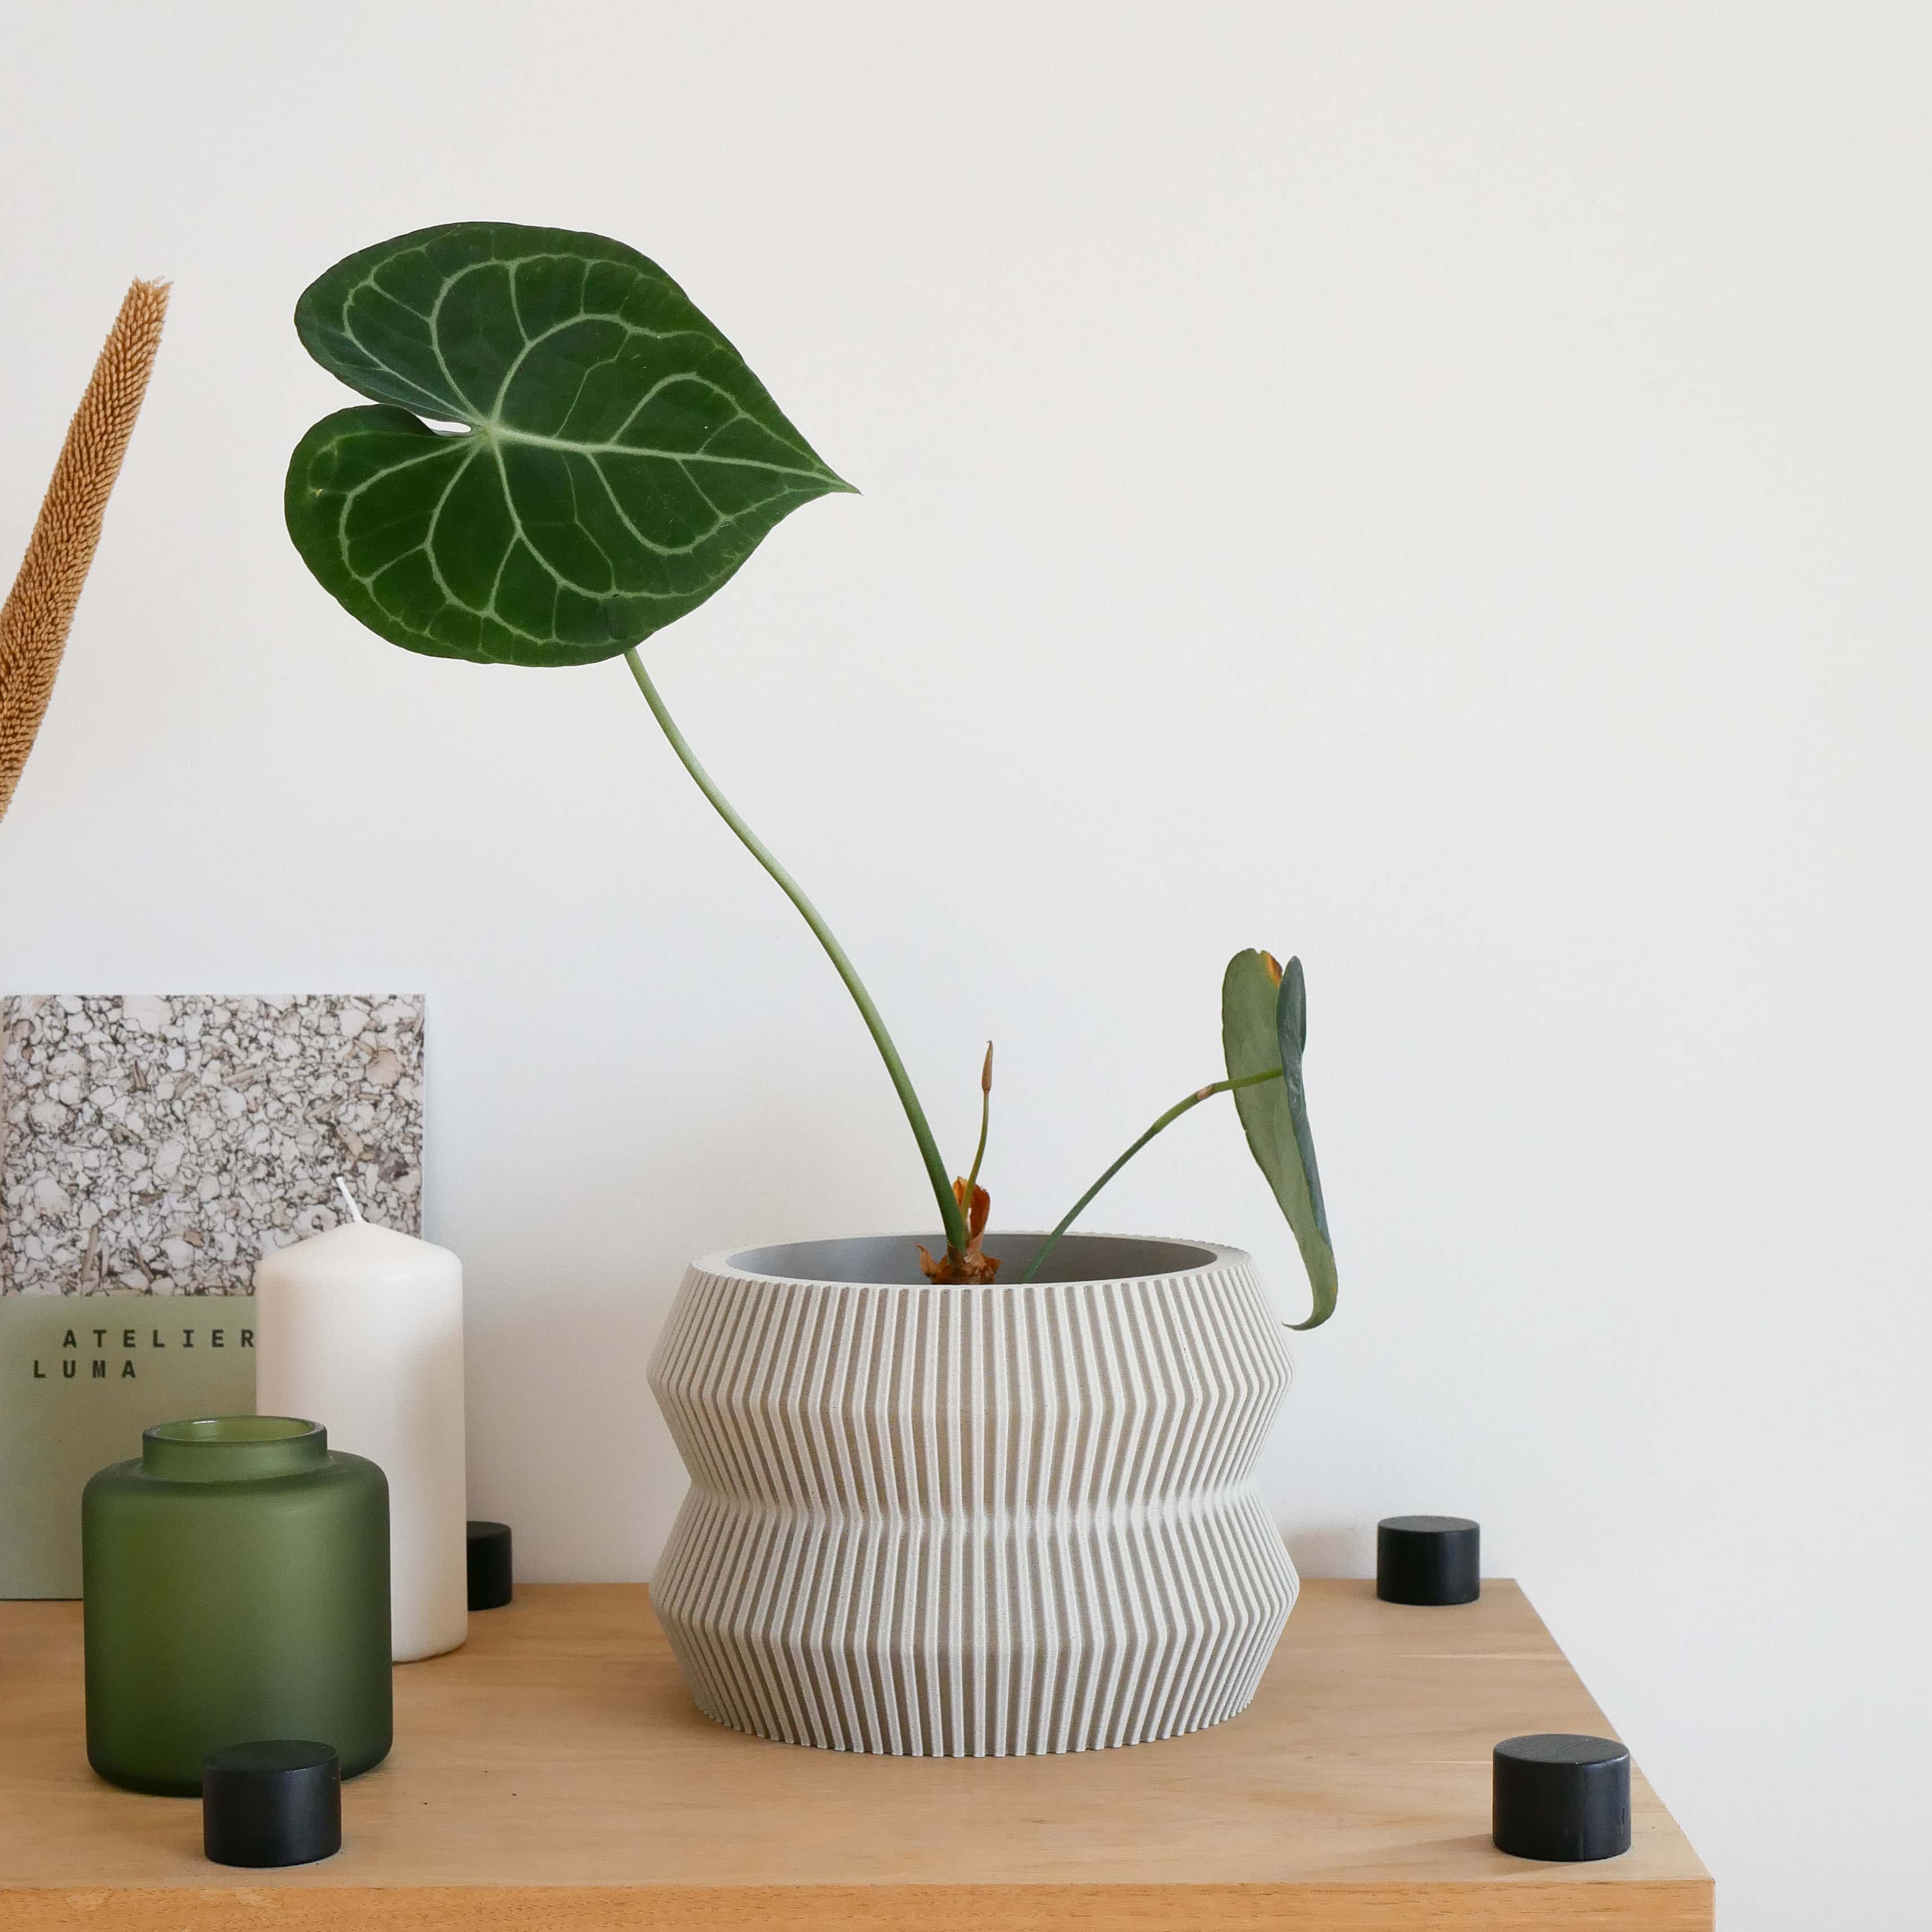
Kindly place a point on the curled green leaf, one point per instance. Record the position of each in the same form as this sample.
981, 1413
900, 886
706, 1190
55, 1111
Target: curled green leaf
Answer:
613, 461
1264, 1025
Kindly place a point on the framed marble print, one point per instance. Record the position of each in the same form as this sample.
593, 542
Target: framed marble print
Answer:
152, 1147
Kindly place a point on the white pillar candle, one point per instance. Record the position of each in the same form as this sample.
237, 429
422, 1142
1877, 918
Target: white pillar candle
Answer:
361, 1330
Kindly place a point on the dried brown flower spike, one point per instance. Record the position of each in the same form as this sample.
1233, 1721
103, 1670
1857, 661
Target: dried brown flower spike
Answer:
39, 610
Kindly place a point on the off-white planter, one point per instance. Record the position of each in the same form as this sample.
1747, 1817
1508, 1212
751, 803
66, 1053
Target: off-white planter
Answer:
972, 1521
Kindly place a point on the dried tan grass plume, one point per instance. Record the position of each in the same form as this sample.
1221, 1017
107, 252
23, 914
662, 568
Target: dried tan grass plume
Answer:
35, 618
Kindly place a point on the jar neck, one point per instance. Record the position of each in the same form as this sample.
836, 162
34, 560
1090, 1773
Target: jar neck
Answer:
233, 1448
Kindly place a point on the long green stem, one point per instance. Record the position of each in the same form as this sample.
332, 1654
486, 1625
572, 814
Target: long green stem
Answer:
1167, 1120
950, 1217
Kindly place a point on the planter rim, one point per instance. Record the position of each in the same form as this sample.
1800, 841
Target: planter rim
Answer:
791, 1264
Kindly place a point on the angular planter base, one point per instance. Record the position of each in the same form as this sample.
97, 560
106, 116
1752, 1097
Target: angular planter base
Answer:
972, 1522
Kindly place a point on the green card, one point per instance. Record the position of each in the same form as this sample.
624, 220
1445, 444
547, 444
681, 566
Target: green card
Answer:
81, 1375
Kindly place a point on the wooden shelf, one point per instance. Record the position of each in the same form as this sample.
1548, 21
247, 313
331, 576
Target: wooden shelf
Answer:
552, 1774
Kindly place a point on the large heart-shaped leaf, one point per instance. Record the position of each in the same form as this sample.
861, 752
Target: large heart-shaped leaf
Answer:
1264, 1025
616, 462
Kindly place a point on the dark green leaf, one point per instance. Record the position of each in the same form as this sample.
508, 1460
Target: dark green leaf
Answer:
616, 463
1264, 1025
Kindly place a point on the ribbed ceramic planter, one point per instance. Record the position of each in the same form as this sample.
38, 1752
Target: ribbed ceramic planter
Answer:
972, 1521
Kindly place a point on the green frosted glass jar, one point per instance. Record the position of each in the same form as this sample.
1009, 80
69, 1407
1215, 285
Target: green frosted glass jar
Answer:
236, 1580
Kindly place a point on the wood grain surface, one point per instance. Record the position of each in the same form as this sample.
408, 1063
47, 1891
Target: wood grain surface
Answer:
552, 1773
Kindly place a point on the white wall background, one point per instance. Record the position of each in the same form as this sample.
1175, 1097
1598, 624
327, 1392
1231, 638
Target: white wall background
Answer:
1444, 490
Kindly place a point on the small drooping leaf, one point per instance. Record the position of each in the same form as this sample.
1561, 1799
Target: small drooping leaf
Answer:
1263, 1025
617, 461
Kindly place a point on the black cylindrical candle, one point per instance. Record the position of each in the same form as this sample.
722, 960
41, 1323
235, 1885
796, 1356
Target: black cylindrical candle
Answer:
489, 1565
1428, 1559
1562, 1797
278, 1802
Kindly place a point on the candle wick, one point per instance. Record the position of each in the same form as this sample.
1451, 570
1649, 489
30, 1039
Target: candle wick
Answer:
355, 1211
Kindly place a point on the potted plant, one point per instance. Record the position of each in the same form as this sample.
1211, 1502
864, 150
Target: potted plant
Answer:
982, 1493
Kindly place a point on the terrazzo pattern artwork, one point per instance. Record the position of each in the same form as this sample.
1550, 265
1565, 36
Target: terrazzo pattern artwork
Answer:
161, 1143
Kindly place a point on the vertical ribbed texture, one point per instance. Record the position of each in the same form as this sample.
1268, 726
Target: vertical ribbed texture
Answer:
970, 1522
39, 610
